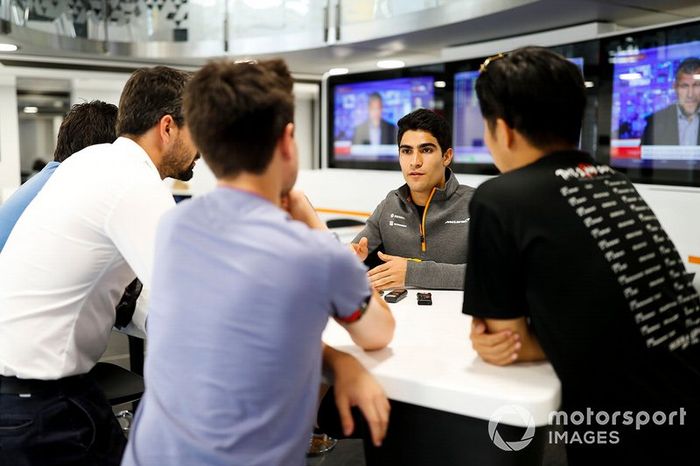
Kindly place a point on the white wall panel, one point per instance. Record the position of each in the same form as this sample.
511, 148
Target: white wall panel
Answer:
9, 137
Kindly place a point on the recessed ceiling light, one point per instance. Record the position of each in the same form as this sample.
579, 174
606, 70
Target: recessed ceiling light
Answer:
31, 110
440, 84
388, 64
588, 84
337, 71
5, 47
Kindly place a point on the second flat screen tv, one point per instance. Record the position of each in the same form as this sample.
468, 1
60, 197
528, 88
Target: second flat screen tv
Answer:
467, 122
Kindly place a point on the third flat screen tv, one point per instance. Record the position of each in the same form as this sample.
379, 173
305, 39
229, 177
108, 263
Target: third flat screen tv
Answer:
652, 108
656, 96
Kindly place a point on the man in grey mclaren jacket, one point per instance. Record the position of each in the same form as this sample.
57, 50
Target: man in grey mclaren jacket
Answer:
420, 230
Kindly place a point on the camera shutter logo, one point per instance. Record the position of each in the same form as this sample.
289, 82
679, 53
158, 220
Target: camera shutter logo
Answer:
527, 420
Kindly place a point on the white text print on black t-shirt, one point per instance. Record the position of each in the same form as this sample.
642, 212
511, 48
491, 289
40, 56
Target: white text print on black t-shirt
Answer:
649, 270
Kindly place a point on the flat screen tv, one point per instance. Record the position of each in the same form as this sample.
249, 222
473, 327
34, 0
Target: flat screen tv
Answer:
652, 110
656, 96
365, 116
364, 110
468, 124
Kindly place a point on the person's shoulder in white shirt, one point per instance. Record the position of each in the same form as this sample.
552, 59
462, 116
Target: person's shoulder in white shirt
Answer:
90, 232
72, 253
86, 235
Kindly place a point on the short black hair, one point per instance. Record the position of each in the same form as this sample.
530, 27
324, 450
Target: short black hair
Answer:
690, 65
375, 96
237, 113
86, 124
428, 121
149, 95
537, 92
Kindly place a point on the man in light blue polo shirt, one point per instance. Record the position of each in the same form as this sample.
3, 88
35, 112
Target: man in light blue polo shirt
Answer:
243, 288
85, 124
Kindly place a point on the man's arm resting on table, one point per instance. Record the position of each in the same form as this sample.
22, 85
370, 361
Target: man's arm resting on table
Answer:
505, 341
435, 275
390, 274
354, 386
375, 328
399, 272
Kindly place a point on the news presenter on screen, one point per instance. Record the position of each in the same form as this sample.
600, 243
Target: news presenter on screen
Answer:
679, 123
375, 130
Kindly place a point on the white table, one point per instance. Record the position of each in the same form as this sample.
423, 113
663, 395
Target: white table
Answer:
430, 364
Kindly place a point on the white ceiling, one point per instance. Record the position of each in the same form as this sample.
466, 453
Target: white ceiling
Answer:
426, 46
415, 44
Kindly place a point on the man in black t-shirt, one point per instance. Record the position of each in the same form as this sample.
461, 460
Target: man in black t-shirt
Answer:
568, 263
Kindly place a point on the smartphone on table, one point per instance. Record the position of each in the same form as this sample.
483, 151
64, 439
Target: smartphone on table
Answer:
394, 296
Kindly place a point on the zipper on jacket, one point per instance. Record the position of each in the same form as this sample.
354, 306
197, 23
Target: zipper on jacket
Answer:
421, 227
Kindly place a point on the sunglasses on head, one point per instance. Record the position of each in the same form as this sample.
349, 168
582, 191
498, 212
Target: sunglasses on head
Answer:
490, 60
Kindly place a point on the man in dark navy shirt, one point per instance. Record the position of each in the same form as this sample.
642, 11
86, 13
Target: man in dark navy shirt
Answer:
568, 263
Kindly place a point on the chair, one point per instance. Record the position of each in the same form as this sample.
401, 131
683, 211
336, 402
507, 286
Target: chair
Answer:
118, 384
121, 385
343, 222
